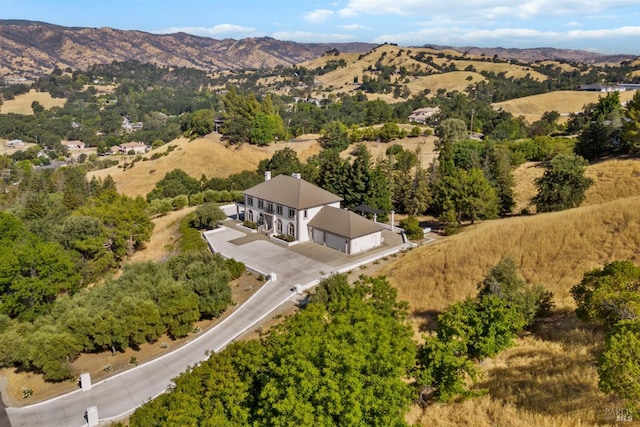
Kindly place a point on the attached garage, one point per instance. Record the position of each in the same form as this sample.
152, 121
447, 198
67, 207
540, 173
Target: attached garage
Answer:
344, 231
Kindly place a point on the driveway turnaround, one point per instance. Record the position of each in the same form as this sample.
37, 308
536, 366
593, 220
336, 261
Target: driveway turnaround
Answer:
118, 396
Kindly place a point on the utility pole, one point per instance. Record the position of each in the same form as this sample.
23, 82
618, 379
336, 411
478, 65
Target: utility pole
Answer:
472, 113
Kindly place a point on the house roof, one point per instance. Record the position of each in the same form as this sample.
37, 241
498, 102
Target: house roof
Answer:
132, 144
292, 192
364, 208
343, 223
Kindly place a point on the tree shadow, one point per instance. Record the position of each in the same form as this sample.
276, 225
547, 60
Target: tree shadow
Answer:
553, 373
427, 320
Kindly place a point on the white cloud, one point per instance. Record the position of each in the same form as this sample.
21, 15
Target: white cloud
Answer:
306, 36
318, 16
573, 24
354, 27
486, 9
456, 35
605, 33
347, 13
216, 30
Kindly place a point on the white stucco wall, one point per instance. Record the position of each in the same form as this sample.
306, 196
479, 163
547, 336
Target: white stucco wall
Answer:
366, 242
302, 222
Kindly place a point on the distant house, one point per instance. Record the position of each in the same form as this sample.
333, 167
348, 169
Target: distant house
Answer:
126, 124
74, 145
291, 206
422, 114
136, 147
603, 88
14, 143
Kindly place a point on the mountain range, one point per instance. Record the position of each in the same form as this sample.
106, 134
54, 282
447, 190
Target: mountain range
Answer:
30, 49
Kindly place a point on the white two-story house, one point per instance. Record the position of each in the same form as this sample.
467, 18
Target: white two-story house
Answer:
290, 206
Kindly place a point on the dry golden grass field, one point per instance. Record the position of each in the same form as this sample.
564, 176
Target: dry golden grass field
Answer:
210, 156
510, 70
22, 103
564, 102
207, 155
549, 377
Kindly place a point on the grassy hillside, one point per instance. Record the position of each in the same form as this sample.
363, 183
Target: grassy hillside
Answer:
22, 103
341, 79
564, 102
549, 377
208, 156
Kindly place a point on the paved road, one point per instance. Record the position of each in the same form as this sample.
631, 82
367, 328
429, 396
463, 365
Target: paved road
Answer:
119, 395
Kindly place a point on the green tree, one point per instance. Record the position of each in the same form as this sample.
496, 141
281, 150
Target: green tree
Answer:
500, 176
469, 196
332, 172
335, 136
450, 131
358, 177
504, 282
125, 220
601, 135
631, 126
265, 128
619, 363
412, 228
208, 216
200, 123
443, 370
609, 295
563, 184
283, 162
173, 184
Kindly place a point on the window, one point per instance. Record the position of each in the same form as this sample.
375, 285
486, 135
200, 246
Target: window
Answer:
278, 226
292, 213
279, 209
269, 207
250, 215
249, 201
260, 219
260, 204
291, 229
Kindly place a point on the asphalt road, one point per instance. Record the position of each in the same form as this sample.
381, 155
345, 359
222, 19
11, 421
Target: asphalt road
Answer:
119, 395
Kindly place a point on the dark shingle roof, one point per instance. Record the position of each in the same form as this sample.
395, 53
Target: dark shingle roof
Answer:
292, 192
343, 223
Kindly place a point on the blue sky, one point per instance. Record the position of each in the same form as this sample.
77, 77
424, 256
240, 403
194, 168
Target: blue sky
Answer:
605, 26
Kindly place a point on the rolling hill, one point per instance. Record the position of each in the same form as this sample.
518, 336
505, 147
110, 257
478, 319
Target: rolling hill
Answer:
33, 48
549, 377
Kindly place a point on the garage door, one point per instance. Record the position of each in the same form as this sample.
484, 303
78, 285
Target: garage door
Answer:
318, 236
335, 242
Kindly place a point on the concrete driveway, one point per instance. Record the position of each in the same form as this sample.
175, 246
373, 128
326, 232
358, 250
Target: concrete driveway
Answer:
118, 396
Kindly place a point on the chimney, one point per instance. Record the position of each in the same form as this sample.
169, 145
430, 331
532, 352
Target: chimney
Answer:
267, 175
296, 175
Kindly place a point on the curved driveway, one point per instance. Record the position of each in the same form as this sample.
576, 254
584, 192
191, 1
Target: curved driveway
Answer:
121, 394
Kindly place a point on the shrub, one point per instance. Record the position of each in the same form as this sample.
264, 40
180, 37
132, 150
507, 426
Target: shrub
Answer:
236, 268
250, 224
412, 228
196, 199
208, 215
180, 201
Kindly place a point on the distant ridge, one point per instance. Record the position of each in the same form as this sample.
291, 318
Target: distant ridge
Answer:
538, 54
31, 48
